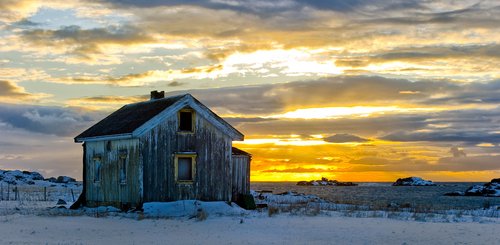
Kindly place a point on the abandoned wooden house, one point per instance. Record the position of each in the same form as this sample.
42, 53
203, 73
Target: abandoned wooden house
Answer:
164, 149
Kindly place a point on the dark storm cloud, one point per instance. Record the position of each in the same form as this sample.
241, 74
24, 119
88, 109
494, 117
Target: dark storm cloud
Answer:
46, 120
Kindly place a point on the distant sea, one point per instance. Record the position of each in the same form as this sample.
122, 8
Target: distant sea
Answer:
381, 194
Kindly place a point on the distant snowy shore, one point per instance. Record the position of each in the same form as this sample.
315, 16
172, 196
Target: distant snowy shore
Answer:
21, 178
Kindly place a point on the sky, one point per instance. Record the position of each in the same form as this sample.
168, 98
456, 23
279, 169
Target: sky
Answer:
359, 90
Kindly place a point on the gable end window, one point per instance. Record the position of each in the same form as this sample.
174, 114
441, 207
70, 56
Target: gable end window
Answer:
185, 167
186, 120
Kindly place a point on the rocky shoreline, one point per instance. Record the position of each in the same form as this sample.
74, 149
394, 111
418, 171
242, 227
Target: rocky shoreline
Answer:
490, 189
325, 182
413, 181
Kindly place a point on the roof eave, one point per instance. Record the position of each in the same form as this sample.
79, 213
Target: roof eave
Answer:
104, 137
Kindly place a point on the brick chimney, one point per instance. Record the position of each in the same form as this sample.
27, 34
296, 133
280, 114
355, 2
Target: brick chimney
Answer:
157, 95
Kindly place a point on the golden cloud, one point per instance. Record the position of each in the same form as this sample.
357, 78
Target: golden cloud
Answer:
12, 93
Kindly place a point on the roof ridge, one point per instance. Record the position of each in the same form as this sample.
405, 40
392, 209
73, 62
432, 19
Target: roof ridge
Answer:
156, 100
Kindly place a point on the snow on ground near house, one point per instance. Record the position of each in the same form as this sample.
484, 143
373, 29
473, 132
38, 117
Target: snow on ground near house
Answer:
190, 208
280, 229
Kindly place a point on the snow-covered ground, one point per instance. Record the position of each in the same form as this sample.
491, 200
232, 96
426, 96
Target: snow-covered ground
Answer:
280, 229
287, 218
296, 219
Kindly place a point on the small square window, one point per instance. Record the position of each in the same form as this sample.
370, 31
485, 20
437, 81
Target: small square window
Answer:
186, 120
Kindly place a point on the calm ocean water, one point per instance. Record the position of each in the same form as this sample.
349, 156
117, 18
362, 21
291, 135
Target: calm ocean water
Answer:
380, 194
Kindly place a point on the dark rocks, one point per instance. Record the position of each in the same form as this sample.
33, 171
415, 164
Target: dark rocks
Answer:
454, 193
325, 182
18, 177
51, 179
65, 179
61, 202
490, 189
61, 179
413, 181
36, 176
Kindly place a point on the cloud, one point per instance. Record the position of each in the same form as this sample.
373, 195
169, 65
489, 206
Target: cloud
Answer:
52, 155
422, 55
144, 78
175, 84
453, 164
298, 170
14, 10
469, 163
457, 152
343, 138
11, 92
470, 136
106, 103
86, 44
347, 91
46, 120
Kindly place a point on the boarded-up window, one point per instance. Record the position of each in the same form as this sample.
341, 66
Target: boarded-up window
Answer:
185, 165
186, 120
97, 169
123, 169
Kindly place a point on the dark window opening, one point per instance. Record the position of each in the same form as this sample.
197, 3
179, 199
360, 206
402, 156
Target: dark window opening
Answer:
186, 121
123, 170
185, 169
108, 145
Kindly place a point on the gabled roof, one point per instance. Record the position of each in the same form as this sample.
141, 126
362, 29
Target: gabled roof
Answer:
132, 120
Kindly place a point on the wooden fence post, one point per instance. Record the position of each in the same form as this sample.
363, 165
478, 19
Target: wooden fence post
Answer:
8, 191
45, 193
72, 194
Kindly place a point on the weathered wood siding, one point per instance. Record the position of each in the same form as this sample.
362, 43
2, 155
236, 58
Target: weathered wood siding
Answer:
212, 180
109, 190
241, 175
